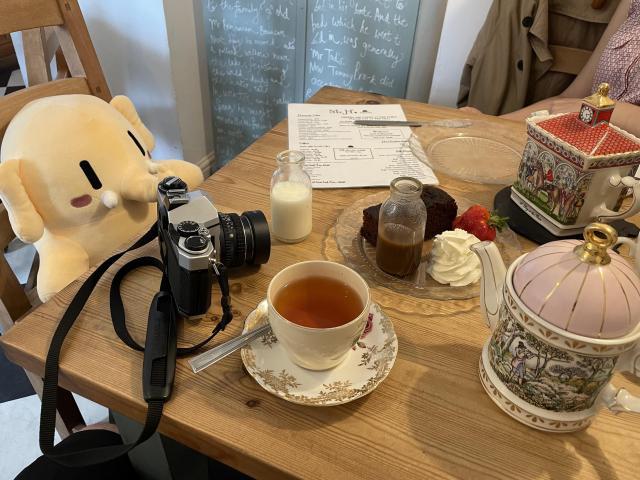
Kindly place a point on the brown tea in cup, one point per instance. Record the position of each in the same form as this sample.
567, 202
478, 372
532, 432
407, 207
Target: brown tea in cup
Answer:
326, 305
318, 302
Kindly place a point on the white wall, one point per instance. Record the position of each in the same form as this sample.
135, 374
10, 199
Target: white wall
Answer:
190, 76
130, 38
149, 51
425, 48
462, 22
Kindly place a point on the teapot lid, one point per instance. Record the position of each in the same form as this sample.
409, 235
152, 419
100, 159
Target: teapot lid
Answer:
581, 287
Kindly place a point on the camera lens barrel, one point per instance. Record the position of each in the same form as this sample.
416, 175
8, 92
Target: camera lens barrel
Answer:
244, 238
232, 241
248, 236
260, 236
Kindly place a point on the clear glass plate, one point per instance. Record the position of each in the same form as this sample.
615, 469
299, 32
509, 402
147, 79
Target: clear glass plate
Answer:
470, 153
361, 255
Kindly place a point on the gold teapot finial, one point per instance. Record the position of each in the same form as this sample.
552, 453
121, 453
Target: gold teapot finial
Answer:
601, 98
598, 237
603, 89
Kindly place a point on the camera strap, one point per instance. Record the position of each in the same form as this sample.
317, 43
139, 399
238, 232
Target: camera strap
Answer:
160, 352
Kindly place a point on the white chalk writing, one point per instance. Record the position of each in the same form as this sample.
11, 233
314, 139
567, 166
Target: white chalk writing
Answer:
359, 44
251, 54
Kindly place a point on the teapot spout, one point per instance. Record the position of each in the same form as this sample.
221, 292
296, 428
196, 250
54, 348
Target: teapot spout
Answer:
492, 281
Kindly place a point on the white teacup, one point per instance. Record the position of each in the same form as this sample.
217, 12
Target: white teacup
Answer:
318, 348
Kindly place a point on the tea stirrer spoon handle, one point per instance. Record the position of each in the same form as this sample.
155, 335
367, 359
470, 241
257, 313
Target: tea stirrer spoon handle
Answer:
217, 353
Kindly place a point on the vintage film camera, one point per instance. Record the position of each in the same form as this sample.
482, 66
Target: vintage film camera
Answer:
194, 236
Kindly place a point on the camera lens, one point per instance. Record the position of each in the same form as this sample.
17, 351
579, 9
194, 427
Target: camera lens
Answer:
256, 222
245, 238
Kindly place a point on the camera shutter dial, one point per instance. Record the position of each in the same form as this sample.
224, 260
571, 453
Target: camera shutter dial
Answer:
187, 228
196, 243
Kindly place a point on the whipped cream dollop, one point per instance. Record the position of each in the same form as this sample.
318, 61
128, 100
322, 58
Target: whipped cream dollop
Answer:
452, 261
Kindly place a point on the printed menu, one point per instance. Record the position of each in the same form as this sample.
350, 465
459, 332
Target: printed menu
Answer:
340, 154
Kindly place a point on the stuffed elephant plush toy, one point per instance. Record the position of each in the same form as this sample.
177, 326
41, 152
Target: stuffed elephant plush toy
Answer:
77, 180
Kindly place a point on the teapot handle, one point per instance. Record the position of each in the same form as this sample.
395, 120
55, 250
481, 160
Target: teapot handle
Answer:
634, 249
619, 399
602, 213
629, 242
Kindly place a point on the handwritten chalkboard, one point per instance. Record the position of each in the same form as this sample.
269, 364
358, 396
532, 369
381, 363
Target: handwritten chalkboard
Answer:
360, 45
263, 55
251, 48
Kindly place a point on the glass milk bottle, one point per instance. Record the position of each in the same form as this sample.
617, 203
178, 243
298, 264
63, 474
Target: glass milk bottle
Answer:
401, 228
290, 198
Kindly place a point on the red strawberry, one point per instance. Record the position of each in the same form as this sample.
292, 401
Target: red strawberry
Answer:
479, 222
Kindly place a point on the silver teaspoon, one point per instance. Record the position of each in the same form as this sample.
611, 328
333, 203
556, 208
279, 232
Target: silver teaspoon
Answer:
208, 358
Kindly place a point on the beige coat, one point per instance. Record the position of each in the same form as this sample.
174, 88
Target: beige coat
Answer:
510, 64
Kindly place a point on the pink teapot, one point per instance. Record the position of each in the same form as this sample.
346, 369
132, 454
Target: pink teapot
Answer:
563, 317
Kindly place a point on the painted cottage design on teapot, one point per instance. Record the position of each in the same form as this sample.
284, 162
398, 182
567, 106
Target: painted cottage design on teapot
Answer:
563, 318
575, 167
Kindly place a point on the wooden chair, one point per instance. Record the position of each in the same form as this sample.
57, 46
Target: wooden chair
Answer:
50, 29
7, 55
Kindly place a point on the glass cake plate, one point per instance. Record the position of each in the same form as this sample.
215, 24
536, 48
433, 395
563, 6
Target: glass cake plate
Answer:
471, 154
361, 256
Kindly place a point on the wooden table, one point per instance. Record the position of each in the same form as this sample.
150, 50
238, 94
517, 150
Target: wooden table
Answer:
429, 419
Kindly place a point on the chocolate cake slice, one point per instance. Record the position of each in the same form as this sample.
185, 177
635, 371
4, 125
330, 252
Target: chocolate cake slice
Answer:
441, 211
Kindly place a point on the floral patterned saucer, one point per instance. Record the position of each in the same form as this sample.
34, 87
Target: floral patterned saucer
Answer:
366, 366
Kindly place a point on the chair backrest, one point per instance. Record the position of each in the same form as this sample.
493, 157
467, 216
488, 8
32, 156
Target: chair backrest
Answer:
49, 28
47, 23
13, 300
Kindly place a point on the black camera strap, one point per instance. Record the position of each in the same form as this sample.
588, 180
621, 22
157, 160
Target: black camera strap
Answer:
160, 352
117, 307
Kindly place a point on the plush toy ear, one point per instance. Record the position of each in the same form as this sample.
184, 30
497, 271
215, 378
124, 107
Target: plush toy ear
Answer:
128, 111
26, 222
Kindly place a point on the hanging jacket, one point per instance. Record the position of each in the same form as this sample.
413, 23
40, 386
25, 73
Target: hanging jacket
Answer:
510, 63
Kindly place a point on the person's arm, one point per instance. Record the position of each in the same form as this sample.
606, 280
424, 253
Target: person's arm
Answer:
581, 85
570, 99
625, 115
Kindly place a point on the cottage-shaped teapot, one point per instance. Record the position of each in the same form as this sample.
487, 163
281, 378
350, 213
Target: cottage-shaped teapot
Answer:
563, 318
576, 167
